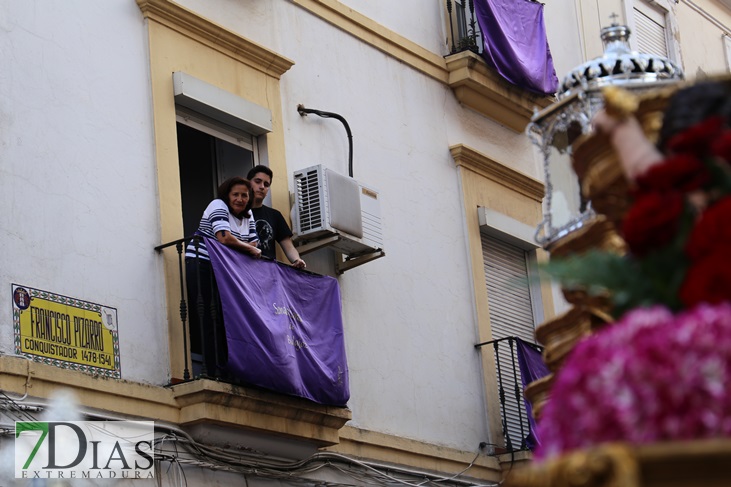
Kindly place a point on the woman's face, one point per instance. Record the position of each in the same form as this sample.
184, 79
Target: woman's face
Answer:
238, 198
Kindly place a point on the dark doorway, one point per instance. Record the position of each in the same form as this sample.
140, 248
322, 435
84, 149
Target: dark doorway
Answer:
206, 161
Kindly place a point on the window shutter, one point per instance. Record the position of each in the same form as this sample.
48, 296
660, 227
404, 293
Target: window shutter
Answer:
650, 30
506, 273
511, 315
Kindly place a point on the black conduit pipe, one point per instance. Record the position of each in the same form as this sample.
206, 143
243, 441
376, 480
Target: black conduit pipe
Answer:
304, 111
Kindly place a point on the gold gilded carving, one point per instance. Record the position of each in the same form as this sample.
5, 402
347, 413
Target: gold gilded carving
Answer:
668, 464
599, 233
559, 335
537, 392
606, 466
594, 160
601, 176
619, 103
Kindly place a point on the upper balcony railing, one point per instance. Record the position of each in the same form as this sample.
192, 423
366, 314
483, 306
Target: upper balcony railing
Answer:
464, 32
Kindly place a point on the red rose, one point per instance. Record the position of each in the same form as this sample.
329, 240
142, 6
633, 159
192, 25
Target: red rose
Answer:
721, 147
697, 138
712, 230
652, 221
709, 279
683, 172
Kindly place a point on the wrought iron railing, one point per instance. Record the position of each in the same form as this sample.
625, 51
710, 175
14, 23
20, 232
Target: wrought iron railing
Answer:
464, 31
205, 312
514, 417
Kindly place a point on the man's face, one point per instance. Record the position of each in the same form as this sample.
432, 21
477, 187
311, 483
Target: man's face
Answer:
260, 186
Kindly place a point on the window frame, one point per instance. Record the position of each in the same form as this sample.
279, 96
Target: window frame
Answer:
517, 237
520, 235
667, 8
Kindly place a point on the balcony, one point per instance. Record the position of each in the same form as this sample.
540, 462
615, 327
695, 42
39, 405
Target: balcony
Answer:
210, 397
478, 86
516, 424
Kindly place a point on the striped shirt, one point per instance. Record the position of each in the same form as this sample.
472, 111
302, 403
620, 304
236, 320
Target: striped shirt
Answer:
216, 218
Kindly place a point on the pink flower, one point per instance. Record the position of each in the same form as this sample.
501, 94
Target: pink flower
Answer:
650, 377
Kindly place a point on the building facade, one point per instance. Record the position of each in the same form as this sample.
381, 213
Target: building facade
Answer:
118, 118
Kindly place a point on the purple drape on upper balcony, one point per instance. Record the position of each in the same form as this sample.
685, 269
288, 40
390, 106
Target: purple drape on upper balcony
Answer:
515, 43
532, 368
284, 327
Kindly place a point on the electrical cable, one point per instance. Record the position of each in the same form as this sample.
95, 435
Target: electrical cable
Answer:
258, 463
304, 111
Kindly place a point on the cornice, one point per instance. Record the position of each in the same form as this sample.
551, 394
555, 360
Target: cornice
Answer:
478, 162
192, 25
475, 85
383, 447
378, 36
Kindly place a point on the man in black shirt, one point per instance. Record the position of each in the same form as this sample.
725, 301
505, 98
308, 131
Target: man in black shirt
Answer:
270, 224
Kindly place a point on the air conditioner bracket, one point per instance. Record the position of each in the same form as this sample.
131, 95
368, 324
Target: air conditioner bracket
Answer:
311, 246
344, 264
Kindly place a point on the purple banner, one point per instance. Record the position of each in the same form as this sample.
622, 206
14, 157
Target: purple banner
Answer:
515, 43
284, 327
532, 368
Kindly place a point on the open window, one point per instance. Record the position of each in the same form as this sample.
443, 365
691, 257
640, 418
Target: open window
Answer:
208, 154
217, 138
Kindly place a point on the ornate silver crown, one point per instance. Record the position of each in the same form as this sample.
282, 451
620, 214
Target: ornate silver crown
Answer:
619, 65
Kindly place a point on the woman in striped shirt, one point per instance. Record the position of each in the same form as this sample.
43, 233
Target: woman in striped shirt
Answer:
228, 219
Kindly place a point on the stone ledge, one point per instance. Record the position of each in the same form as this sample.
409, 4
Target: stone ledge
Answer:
382, 447
199, 402
258, 410
482, 89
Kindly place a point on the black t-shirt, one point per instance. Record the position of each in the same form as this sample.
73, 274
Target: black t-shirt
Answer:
271, 227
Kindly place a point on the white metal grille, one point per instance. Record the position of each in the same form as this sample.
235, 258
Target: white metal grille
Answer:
309, 200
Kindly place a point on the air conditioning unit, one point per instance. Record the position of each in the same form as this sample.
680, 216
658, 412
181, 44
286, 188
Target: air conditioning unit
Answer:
328, 204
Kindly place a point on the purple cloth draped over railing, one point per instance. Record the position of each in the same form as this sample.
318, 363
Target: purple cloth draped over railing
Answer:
532, 368
284, 327
515, 43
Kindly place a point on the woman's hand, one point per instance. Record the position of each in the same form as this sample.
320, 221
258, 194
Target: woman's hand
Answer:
226, 238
